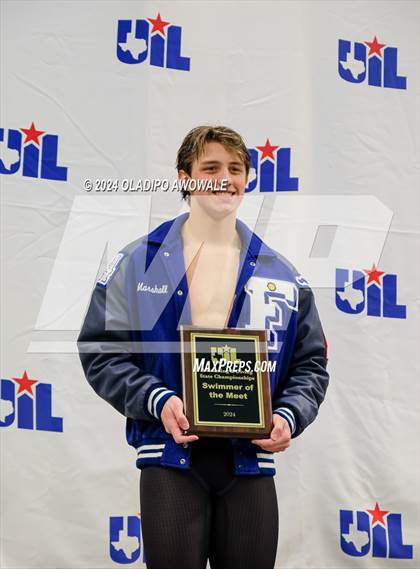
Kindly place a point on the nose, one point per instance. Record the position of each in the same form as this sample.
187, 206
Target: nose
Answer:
226, 175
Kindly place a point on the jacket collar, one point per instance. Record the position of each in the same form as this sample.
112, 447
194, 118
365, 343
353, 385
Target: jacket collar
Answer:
168, 234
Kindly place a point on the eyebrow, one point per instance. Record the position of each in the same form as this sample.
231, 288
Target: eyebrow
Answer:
217, 162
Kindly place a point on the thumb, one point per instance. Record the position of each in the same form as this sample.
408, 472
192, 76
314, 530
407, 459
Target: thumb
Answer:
277, 431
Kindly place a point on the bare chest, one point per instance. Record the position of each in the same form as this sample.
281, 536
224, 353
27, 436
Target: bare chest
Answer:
211, 276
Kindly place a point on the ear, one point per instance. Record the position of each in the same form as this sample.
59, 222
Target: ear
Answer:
182, 175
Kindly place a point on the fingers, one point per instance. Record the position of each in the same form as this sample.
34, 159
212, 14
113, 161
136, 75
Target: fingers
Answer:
179, 437
175, 422
173, 428
270, 445
280, 436
181, 419
261, 442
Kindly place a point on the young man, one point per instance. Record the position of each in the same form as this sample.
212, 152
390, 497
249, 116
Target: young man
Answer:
203, 498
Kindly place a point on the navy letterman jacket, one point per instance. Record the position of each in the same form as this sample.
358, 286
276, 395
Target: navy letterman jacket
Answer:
129, 341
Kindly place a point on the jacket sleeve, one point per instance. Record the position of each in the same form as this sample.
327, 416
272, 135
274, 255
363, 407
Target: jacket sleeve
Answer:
306, 381
106, 352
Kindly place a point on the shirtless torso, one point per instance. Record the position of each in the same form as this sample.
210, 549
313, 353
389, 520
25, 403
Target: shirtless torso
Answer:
212, 270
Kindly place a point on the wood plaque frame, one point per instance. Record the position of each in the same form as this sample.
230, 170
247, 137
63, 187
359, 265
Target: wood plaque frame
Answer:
222, 400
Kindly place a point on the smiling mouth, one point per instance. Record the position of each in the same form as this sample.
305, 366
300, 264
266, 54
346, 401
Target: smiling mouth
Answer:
224, 192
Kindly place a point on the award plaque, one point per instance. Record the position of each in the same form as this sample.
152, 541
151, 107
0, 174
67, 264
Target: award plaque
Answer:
226, 384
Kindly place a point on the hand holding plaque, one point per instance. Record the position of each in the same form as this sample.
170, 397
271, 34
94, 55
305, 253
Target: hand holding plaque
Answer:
226, 384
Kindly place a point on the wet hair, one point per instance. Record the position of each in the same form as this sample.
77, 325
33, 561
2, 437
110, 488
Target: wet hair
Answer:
192, 147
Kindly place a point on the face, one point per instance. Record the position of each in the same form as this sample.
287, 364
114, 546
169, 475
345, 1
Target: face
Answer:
218, 163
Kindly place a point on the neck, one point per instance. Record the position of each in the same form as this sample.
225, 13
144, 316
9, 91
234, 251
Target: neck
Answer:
201, 228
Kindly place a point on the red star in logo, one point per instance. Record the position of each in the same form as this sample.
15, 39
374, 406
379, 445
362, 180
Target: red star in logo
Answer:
375, 47
267, 150
378, 515
32, 134
374, 274
25, 384
158, 24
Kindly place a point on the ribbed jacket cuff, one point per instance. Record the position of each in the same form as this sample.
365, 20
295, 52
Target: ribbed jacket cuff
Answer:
157, 399
287, 414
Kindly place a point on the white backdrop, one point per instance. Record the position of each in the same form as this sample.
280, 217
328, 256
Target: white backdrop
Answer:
344, 198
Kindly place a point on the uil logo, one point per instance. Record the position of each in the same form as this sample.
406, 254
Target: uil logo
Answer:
31, 151
376, 531
378, 65
272, 169
125, 539
223, 352
30, 407
377, 294
151, 39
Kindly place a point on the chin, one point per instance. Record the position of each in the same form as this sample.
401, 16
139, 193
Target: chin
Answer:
222, 210
218, 210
